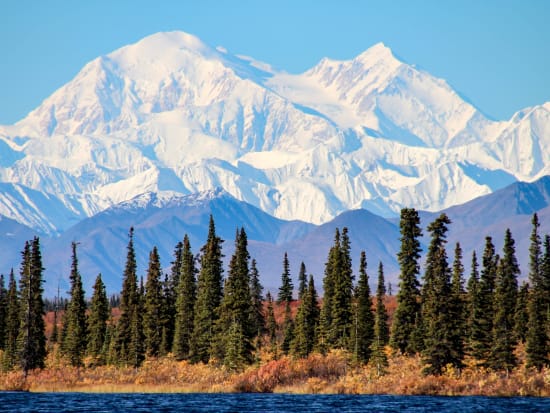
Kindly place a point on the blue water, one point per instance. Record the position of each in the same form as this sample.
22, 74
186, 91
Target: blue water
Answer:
85, 402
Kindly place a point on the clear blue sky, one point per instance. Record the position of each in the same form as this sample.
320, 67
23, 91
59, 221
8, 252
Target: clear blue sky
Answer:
494, 52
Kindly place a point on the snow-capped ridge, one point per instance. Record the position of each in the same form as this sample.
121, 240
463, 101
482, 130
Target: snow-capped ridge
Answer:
171, 115
164, 199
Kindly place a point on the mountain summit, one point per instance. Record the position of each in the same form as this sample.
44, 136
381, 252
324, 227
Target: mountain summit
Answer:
172, 115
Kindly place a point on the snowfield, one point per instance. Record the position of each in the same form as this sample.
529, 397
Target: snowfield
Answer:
175, 116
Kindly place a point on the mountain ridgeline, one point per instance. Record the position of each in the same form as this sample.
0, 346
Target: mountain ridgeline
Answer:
163, 221
173, 115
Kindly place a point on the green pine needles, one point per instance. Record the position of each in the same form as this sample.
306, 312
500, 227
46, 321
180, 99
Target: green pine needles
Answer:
195, 313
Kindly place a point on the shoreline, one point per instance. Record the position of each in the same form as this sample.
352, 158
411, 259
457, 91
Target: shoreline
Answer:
318, 374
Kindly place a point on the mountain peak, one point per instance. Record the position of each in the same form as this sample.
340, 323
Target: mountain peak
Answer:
170, 112
159, 43
378, 52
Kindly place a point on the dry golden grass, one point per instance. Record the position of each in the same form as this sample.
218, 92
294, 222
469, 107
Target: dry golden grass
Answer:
331, 373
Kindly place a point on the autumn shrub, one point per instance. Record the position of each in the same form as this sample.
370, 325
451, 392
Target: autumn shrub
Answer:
13, 381
330, 373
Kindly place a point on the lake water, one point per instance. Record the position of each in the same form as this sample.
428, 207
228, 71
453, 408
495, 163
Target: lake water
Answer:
85, 402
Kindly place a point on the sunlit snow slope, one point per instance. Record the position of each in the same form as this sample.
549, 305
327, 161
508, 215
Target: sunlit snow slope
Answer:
175, 116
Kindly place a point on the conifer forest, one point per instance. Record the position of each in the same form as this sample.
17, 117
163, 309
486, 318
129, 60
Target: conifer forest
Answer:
204, 314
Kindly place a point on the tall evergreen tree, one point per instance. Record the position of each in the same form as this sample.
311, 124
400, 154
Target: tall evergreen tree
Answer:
3, 311
381, 332
381, 314
97, 322
287, 287
436, 307
342, 312
10, 357
545, 281
404, 334
236, 308
186, 296
31, 341
257, 320
170, 287
473, 330
326, 337
76, 335
285, 297
504, 340
209, 296
482, 335
457, 307
537, 338
154, 310
55, 330
312, 314
364, 317
129, 325
302, 281
271, 324
136, 350
307, 317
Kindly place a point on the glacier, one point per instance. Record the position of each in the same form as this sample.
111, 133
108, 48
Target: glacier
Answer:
174, 116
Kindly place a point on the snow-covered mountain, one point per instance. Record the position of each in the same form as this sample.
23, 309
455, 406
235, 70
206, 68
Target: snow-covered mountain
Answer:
162, 221
172, 115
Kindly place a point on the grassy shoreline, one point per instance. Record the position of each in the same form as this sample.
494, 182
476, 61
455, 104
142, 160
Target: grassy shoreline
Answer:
318, 374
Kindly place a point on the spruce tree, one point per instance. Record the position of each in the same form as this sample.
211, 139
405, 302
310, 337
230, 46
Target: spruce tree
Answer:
364, 317
10, 357
302, 281
473, 330
537, 338
153, 308
457, 307
137, 347
298, 346
404, 332
285, 297
286, 288
378, 356
31, 342
170, 287
545, 280
307, 318
312, 315
235, 357
55, 330
382, 329
482, 336
186, 296
209, 296
436, 307
3, 311
504, 340
76, 335
342, 312
97, 322
257, 320
129, 326
236, 308
271, 324
545, 264
326, 336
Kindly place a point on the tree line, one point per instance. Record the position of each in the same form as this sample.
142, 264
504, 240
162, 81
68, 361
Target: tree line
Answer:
196, 313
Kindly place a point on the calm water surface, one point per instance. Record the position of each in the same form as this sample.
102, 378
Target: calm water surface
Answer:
84, 402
